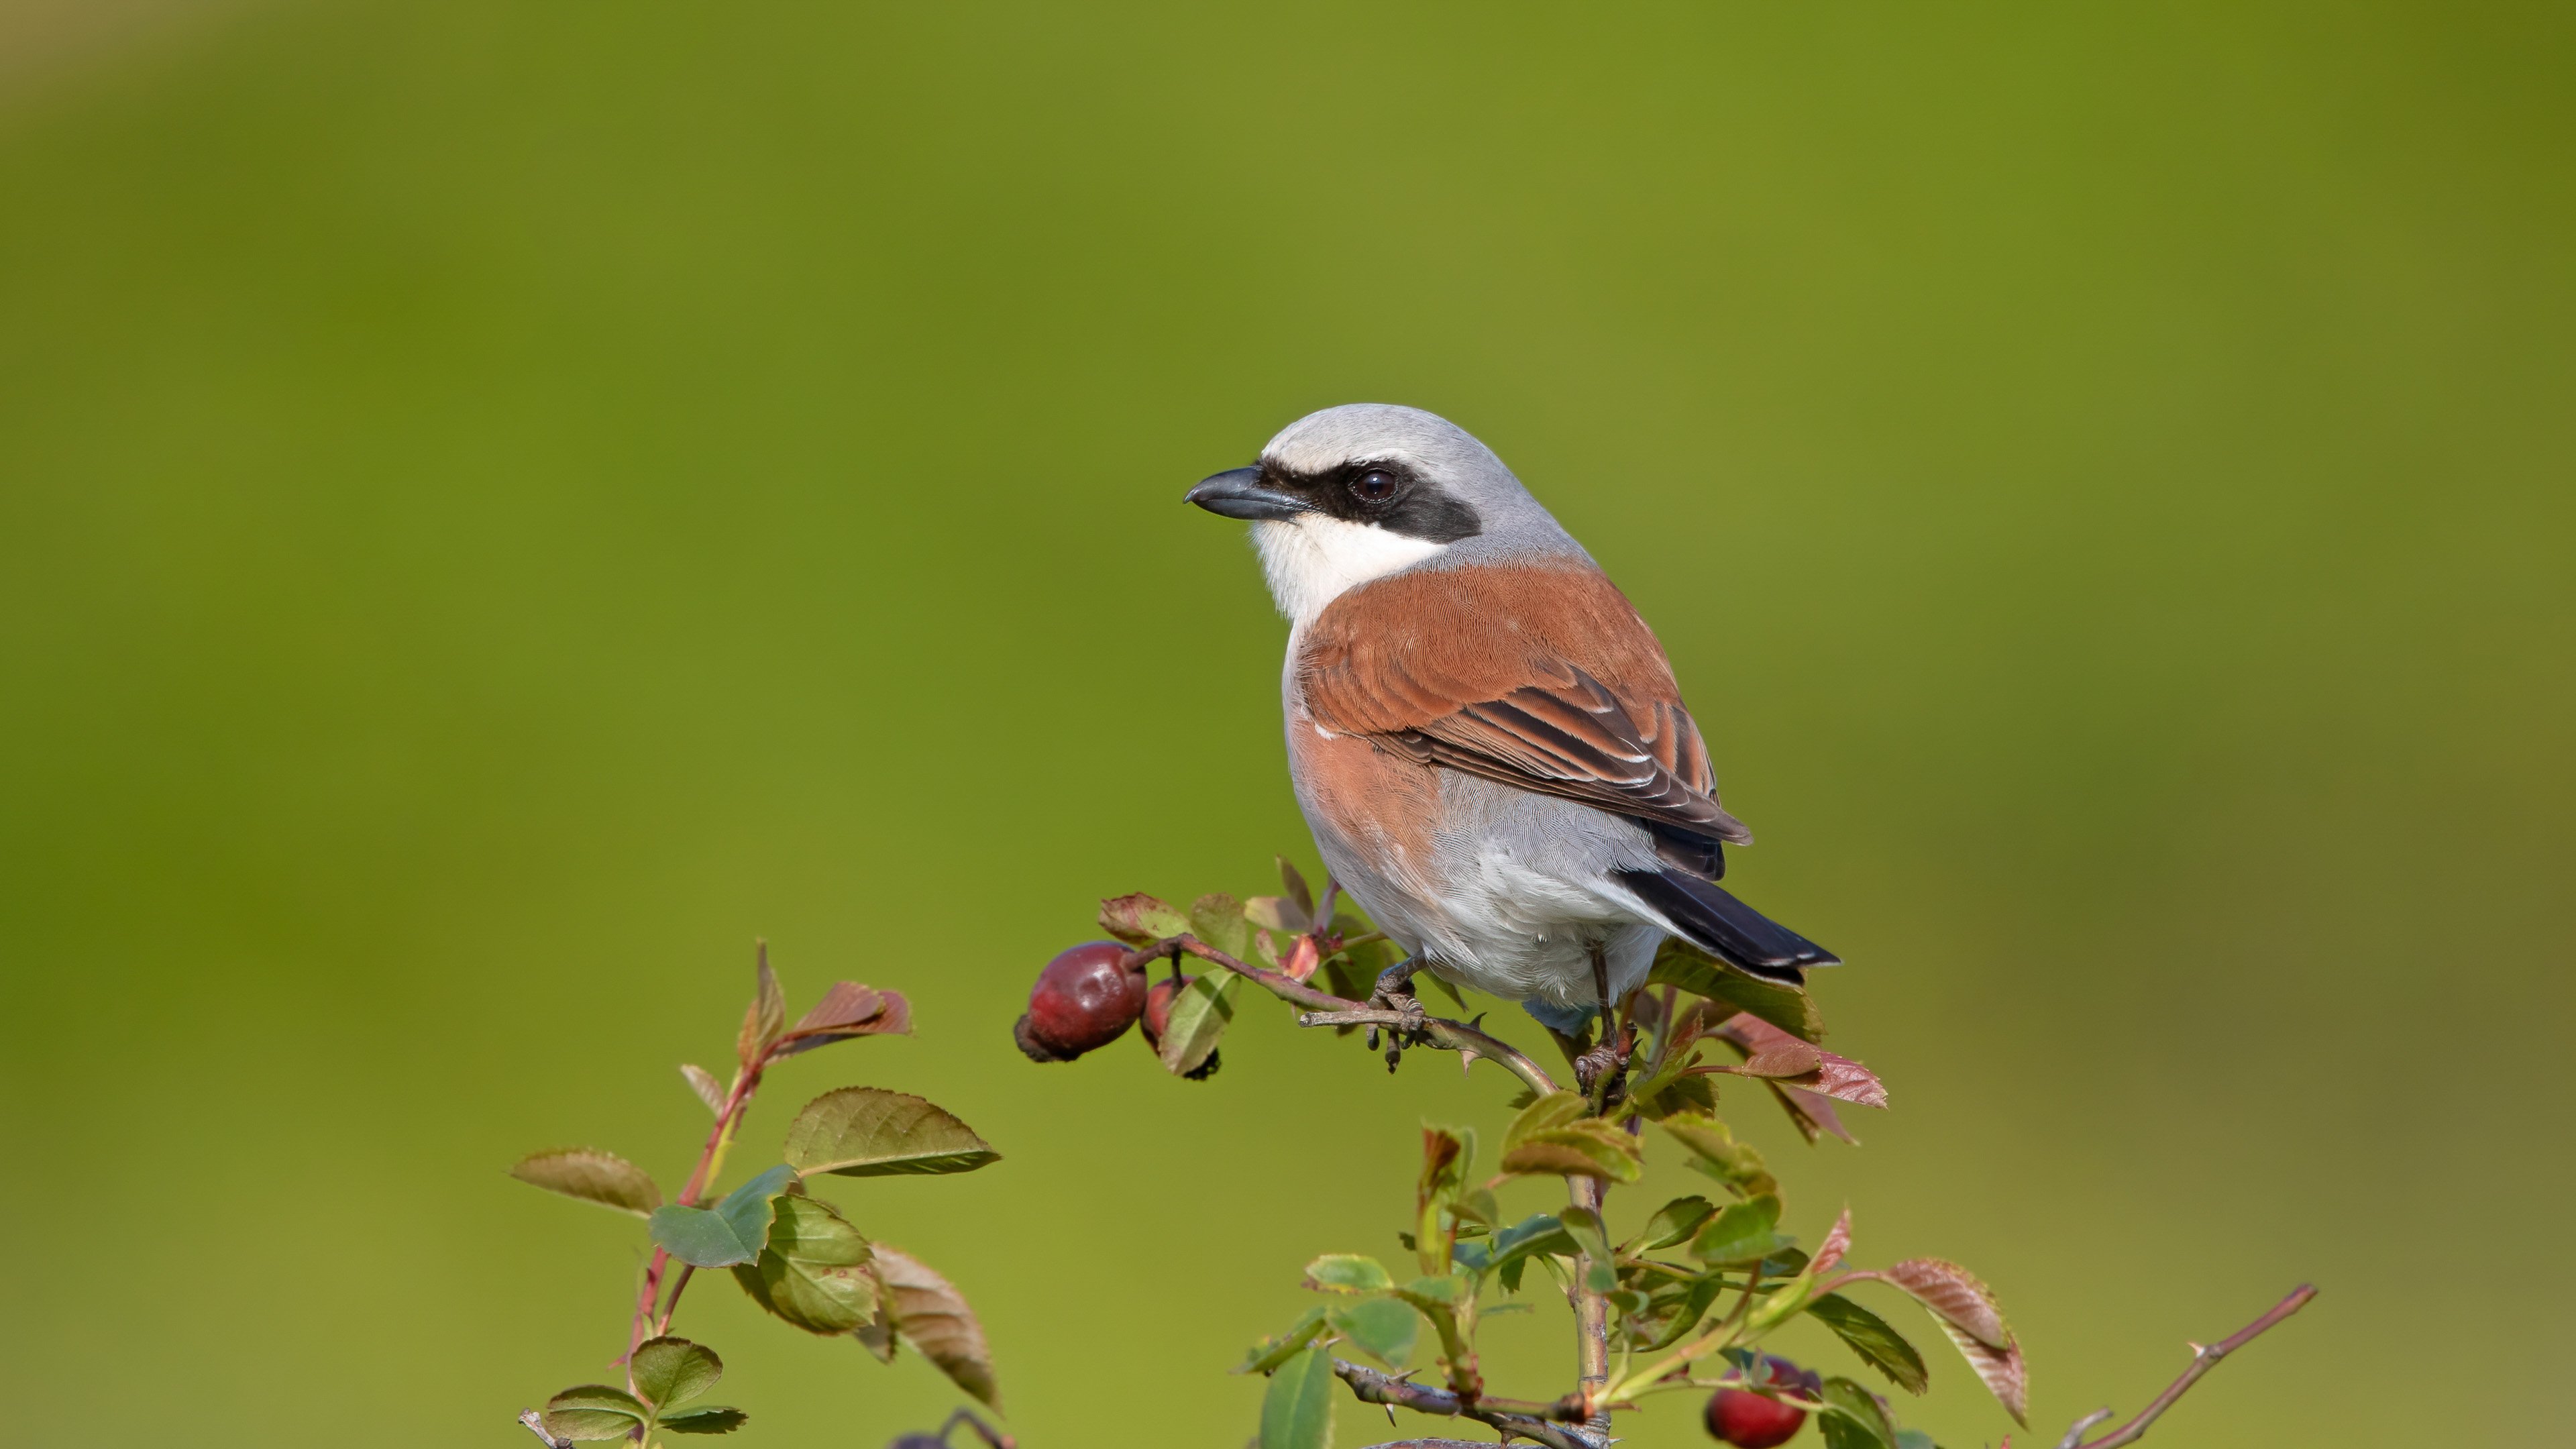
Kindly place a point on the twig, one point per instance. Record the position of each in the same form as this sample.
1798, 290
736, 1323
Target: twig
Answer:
986, 1432
1371, 1387
2075, 1435
1591, 1313
647, 1321
1330, 1010
536, 1424
2202, 1361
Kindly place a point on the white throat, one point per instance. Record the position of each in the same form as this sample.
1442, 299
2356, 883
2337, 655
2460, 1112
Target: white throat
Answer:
1313, 558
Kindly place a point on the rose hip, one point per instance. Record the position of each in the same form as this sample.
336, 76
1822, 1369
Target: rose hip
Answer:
1085, 999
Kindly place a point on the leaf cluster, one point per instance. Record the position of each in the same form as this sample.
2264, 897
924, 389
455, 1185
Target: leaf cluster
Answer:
1702, 1282
796, 1255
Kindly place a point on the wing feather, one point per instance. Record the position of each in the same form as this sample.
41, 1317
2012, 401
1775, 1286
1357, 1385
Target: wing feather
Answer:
1541, 678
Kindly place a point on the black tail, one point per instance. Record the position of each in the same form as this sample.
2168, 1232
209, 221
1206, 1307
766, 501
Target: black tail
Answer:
1718, 923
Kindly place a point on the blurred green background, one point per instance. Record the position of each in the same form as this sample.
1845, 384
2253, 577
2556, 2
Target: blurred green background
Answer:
502, 504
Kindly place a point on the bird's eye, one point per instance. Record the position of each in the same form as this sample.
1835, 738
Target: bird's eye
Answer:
1374, 486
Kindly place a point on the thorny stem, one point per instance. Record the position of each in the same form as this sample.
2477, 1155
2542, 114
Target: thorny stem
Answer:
647, 1322
1331, 1010
1372, 1387
1591, 1313
2202, 1361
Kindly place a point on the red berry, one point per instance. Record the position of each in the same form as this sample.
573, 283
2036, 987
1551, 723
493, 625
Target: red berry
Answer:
1086, 998
1158, 1019
1750, 1421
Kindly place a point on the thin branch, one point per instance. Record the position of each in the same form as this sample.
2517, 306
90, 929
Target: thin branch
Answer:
1372, 1387
647, 1322
2075, 1435
986, 1432
1330, 1010
2202, 1361
1591, 1314
536, 1424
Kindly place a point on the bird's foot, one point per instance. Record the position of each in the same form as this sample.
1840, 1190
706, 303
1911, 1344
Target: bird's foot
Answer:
1394, 992
1602, 1070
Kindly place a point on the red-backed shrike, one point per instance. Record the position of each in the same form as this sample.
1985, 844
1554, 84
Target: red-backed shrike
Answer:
1485, 737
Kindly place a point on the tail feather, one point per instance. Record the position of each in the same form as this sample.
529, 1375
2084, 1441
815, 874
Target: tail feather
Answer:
1716, 922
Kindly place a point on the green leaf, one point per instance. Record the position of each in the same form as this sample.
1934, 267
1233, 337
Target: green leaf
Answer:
814, 1270
1675, 1222
1141, 920
594, 1411
1383, 1328
1879, 1346
706, 1421
1860, 1422
1585, 1227
1687, 1310
933, 1317
1552, 1135
1297, 1408
1742, 1235
673, 1370
871, 1132
1270, 1353
1200, 1015
593, 1176
1714, 1151
1537, 1233
1914, 1439
1217, 919
1348, 1273
1678, 963
732, 1232
1434, 1295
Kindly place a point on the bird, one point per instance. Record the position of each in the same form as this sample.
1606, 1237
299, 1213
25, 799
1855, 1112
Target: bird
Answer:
1484, 735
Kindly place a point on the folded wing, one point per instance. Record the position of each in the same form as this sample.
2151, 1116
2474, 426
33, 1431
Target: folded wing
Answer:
1543, 678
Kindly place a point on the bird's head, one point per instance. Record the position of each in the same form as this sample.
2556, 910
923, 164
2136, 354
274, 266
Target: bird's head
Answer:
1357, 492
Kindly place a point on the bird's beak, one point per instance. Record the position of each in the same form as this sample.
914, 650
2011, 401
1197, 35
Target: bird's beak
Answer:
1240, 493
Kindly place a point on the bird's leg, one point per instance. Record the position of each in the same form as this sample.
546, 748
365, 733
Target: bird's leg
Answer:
1605, 1066
1394, 992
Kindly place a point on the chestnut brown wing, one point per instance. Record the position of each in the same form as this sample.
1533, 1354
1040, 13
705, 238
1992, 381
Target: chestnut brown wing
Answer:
1542, 679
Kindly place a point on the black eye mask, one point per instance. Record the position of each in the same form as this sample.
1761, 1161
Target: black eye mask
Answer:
1389, 495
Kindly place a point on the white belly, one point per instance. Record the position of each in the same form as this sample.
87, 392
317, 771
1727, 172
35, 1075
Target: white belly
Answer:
1513, 898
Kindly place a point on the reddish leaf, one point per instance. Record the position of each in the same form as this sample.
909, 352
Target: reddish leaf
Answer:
765, 1017
849, 1010
1811, 1114
1297, 891
1769, 1051
2001, 1369
1955, 1296
704, 1083
1837, 1242
931, 1315
1277, 913
1969, 1316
